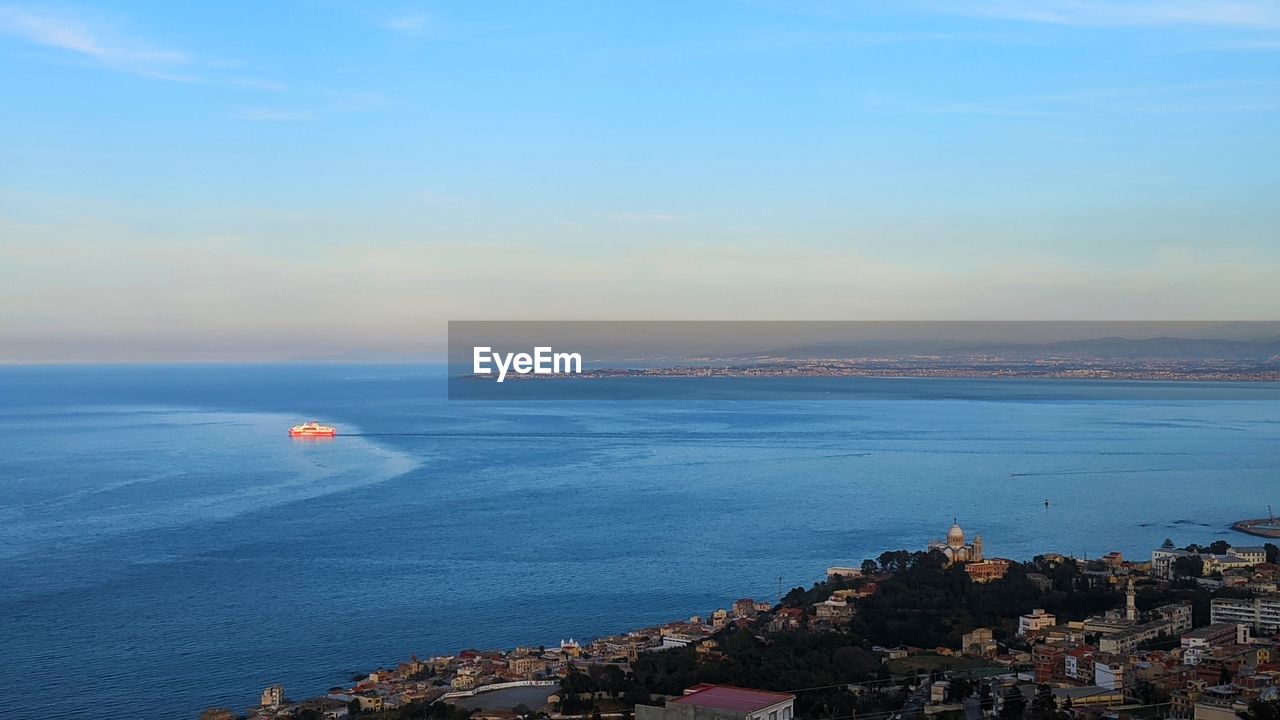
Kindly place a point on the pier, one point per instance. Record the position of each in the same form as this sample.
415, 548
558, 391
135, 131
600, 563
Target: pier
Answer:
1267, 527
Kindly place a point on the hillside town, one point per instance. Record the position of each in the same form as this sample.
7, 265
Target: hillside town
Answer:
1188, 633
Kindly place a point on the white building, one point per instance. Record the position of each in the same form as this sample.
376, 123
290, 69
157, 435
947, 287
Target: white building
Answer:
1035, 621
833, 609
1108, 673
1196, 642
1076, 668
1261, 613
675, 640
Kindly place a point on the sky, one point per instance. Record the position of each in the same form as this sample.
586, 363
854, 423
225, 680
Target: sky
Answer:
314, 178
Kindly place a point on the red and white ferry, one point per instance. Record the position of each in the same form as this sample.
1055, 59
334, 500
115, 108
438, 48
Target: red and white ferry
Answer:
312, 429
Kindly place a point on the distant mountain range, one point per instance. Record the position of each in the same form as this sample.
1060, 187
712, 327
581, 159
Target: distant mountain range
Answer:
1175, 349
361, 356
1114, 348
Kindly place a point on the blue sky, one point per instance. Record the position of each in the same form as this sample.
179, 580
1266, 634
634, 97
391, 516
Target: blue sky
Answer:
188, 180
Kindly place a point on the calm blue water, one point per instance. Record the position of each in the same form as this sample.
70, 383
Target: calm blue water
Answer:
164, 547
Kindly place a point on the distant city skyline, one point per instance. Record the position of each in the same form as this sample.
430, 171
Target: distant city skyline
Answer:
267, 181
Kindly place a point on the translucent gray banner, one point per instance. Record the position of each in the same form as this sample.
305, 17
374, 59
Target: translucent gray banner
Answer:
821, 360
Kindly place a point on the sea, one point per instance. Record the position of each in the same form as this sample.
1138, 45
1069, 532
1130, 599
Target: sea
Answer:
165, 547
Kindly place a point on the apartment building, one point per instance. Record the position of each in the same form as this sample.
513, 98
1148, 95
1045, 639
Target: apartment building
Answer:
1261, 614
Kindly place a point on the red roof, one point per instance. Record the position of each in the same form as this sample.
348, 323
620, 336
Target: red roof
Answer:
726, 697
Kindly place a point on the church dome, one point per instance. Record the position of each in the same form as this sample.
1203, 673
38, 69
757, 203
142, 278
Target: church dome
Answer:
955, 536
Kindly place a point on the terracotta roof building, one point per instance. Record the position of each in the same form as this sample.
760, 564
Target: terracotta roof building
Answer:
722, 702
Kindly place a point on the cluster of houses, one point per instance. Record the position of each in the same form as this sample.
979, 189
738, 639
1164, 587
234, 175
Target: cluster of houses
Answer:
1122, 657
470, 672
1206, 673
1234, 561
1157, 658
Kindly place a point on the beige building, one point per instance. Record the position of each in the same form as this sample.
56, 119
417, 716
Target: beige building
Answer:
834, 610
370, 703
1087, 695
719, 618
273, 697
980, 643
985, 571
526, 665
1220, 702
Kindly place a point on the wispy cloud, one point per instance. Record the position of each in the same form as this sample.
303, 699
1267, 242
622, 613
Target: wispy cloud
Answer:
412, 24
257, 84
273, 115
1244, 14
359, 102
1267, 44
74, 36
348, 103
1235, 96
646, 218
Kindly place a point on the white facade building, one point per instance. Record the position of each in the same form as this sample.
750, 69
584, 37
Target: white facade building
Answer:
1261, 614
1035, 621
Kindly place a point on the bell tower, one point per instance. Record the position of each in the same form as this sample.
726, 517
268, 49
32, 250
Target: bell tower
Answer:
1130, 603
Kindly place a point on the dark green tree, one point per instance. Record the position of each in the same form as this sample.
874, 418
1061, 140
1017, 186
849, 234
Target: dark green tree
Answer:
609, 678
852, 662
1188, 567
895, 560
1014, 704
1044, 706
1262, 710
636, 695
985, 700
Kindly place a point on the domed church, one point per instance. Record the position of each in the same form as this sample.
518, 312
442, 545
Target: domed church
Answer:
955, 549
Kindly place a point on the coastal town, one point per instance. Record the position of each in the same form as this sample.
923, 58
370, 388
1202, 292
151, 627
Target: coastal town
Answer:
938, 366
1188, 633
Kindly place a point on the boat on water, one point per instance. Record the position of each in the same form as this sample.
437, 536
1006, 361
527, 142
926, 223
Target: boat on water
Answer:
312, 429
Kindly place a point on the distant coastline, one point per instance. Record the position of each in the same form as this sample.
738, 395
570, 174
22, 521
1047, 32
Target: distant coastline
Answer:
1177, 371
